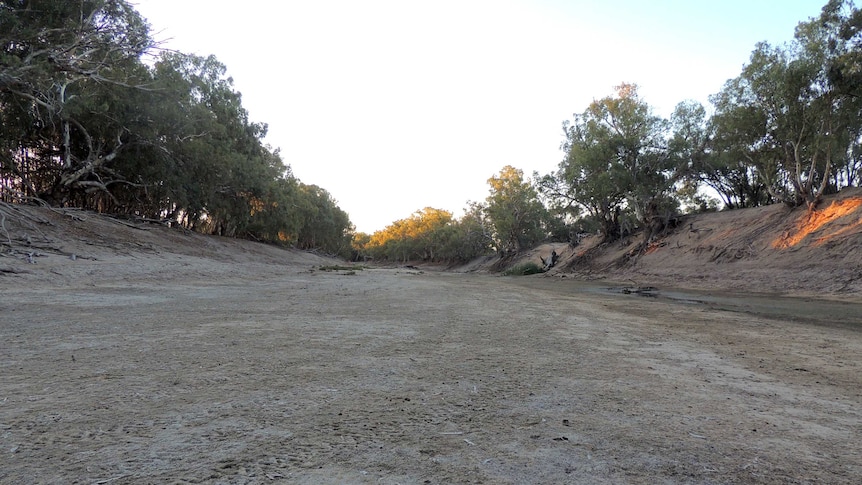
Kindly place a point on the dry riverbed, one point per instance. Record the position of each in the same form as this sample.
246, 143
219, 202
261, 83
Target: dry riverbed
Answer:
295, 375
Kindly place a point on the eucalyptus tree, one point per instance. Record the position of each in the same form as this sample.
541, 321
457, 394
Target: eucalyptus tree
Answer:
841, 22
618, 159
423, 236
430, 235
471, 235
84, 122
772, 117
324, 225
794, 112
710, 155
514, 211
726, 165
62, 65
213, 165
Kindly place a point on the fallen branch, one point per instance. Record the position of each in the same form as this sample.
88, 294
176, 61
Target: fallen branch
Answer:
68, 212
163, 222
129, 224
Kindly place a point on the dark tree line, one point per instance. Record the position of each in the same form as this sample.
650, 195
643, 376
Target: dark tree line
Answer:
85, 122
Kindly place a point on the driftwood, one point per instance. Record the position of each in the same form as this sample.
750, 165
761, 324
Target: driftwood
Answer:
128, 224
550, 262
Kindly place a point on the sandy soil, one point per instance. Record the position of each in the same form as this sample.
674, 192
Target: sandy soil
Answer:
164, 357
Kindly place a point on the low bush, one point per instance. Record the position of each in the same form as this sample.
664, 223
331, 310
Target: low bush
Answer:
523, 269
337, 267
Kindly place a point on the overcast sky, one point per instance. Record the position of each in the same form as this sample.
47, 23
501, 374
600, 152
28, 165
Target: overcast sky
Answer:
393, 106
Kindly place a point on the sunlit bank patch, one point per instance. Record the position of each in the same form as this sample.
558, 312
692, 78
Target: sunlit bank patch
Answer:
818, 220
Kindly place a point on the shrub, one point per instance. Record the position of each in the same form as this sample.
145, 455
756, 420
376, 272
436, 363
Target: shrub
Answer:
337, 267
523, 269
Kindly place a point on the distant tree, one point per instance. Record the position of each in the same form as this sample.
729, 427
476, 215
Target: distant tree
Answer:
420, 237
359, 245
471, 236
324, 225
617, 159
514, 211
430, 235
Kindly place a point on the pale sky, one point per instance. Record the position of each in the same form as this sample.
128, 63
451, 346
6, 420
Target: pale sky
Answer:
393, 106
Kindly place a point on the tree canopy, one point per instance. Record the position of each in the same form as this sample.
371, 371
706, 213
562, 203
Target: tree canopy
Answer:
515, 213
618, 157
792, 117
85, 122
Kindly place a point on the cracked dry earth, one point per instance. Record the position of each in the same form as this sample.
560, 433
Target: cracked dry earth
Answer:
402, 376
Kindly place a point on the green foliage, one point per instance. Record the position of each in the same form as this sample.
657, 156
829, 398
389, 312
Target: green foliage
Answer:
420, 237
514, 211
428, 235
324, 225
712, 161
792, 116
338, 267
64, 65
512, 218
84, 122
523, 269
618, 159
470, 236
787, 128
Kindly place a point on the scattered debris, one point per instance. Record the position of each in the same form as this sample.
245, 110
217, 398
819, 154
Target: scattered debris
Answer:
647, 291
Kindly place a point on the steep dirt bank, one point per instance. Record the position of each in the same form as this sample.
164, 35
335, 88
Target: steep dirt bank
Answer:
80, 247
767, 249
